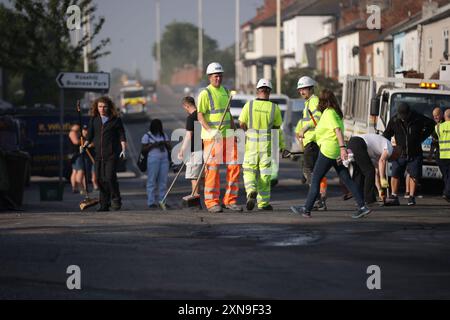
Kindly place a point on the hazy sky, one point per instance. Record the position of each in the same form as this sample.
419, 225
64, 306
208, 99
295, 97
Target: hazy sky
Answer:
131, 26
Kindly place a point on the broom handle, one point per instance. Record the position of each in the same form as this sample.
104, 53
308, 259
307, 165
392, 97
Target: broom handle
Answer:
212, 146
173, 182
88, 152
82, 155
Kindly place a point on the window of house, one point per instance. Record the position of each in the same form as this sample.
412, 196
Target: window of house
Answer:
259, 70
430, 49
330, 64
320, 61
250, 41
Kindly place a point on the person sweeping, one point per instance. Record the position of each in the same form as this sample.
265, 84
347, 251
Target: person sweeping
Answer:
212, 104
107, 133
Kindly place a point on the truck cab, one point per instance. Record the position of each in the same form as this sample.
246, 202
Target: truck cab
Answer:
369, 111
133, 99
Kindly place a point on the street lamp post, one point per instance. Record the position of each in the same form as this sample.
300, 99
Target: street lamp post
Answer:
278, 71
158, 42
237, 46
200, 35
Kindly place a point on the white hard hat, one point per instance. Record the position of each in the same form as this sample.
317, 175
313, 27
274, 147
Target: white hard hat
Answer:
214, 68
305, 82
264, 83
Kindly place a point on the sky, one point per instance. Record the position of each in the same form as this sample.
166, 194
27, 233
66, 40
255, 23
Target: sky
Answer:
131, 26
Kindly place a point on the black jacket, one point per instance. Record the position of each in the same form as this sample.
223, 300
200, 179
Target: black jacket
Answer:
106, 137
410, 134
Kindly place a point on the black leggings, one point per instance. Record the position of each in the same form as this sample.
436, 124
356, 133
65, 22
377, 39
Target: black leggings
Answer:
364, 174
107, 182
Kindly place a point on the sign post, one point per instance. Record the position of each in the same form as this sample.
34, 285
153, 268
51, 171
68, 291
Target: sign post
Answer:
78, 81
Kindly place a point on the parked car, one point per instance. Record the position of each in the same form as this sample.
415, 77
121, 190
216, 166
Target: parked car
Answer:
237, 104
293, 114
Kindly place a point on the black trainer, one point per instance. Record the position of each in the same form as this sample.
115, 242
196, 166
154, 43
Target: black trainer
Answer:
251, 200
301, 210
116, 205
392, 201
411, 201
361, 212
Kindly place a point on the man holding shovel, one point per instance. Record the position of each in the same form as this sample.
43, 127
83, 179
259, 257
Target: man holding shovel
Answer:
220, 140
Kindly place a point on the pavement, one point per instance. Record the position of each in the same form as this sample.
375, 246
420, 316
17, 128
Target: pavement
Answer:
136, 253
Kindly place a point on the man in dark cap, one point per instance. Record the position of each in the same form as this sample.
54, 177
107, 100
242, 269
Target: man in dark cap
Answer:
410, 129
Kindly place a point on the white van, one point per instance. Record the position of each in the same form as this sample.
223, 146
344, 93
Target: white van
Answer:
237, 104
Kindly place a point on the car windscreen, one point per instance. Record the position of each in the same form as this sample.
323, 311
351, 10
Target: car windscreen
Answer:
296, 116
133, 94
278, 101
420, 103
238, 103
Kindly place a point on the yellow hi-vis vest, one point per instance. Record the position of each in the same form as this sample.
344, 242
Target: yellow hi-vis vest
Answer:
212, 103
443, 132
260, 128
311, 104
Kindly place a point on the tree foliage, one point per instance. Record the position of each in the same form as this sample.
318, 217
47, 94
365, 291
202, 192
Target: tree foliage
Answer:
36, 43
179, 46
290, 79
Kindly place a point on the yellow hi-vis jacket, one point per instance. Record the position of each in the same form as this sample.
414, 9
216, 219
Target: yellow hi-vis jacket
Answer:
311, 104
443, 132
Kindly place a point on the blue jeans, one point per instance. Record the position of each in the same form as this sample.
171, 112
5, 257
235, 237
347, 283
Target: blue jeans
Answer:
322, 166
157, 172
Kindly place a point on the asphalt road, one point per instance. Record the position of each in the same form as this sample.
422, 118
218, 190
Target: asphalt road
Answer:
190, 254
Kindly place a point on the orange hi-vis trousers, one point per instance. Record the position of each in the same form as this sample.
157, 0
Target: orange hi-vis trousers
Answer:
224, 152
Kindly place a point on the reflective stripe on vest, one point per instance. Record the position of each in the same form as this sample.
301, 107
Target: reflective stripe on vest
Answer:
271, 119
216, 114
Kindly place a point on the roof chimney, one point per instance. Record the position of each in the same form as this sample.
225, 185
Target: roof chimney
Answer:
429, 8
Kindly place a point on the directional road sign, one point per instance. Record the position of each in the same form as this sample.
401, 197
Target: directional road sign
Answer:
84, 81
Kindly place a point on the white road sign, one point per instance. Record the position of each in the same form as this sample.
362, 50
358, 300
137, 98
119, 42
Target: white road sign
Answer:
83, 81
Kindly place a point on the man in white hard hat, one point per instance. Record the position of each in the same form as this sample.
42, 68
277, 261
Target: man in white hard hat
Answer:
258, 118
305, 132
211, 104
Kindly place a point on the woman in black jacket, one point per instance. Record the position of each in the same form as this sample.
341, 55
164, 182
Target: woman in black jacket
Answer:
107, 133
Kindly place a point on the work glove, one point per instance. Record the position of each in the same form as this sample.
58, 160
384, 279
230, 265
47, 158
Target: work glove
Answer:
215, 134
123, 155
384, 183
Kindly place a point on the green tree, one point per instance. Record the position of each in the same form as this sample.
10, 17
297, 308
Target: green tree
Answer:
290, 79
36, 43
179, 46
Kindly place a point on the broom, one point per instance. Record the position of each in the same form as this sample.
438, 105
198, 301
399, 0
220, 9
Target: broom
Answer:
162, 203
87, 202
193, 200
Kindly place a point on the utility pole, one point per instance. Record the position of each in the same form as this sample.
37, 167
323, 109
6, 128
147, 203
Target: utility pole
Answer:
278, 71
200, 35
158, 42
237, 47
87, 48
